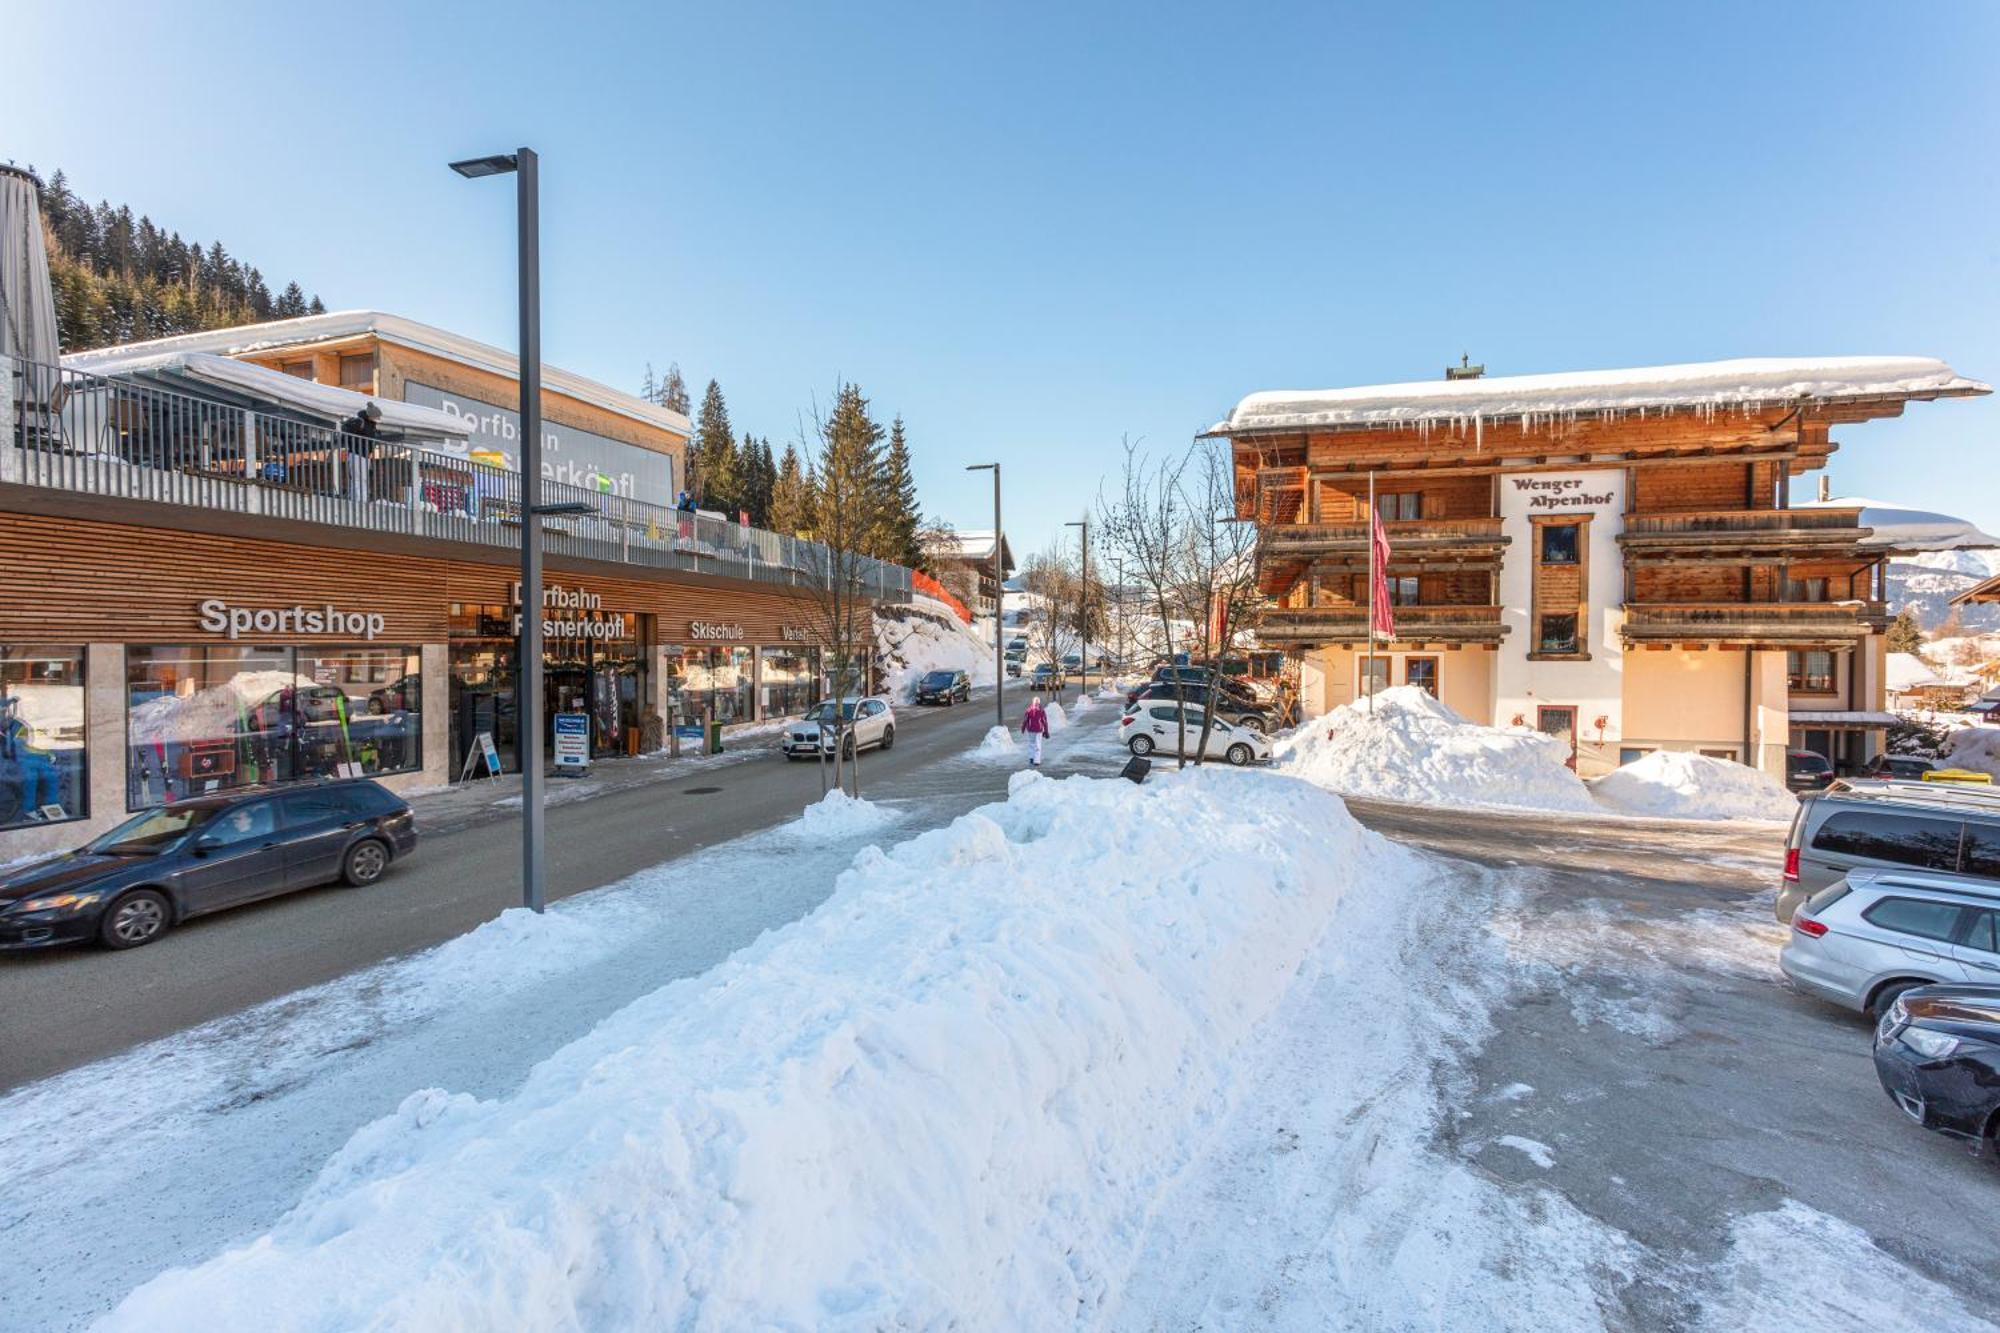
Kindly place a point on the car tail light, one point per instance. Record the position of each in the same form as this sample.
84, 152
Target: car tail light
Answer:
1791, 865
1805, 925
1125, 721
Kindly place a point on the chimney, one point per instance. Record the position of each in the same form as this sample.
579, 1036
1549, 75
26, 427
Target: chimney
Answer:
1825, 488
1464, 370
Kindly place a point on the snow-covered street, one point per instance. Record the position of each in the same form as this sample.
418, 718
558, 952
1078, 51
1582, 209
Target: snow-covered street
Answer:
1202, 1053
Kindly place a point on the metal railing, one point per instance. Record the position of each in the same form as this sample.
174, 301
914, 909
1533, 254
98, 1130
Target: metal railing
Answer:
126, 439
1710, 522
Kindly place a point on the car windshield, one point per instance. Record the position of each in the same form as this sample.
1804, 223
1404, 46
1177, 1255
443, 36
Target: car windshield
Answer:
938, 678
151, 832
824, 713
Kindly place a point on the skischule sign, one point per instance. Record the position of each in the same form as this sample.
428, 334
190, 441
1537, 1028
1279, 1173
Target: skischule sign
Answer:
710, 629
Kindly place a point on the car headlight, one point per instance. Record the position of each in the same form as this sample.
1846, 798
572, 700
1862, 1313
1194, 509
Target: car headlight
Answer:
60, 902
1930, 1045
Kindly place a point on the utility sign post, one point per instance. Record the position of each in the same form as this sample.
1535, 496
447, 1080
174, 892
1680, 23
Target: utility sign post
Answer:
572, 743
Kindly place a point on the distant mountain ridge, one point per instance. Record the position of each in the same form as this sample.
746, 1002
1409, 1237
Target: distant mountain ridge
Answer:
1929, 581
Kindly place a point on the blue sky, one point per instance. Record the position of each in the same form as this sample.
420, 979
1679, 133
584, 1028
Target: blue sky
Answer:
1034, 229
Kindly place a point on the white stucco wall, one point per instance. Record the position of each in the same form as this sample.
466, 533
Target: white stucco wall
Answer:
1595, 688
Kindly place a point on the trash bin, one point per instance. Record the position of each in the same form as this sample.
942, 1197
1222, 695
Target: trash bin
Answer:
714, 738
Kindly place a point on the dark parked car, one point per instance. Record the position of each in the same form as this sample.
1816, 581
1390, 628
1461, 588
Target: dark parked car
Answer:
159, 868
944, 687
1233, 706
1047, 676
1806, 771
1937, 1052
1908, 767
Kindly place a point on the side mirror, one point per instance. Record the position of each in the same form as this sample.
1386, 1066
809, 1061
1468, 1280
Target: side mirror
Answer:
207, 843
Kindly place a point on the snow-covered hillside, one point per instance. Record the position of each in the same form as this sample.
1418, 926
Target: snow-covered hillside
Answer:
926, 636
1929, 580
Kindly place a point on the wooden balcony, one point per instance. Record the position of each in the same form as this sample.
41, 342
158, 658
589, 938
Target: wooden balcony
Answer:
1313, 626
1743, 536
1752, 624
1409, 539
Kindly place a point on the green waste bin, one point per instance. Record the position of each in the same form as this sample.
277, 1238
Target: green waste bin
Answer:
714, 738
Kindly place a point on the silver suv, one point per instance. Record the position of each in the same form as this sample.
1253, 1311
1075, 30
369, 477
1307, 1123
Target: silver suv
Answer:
1865, 825
1867, 938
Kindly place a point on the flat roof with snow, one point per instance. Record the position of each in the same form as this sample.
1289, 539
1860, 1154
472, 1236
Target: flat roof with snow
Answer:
1745, 384
307, 330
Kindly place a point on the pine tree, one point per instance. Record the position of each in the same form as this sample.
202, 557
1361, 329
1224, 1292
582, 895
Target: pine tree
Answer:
791, 497
674, 390
712, 454
649, 388
849, 472
901, 520
1905, 634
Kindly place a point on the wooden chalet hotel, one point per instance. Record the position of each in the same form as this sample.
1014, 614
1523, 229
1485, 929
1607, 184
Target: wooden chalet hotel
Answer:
217, 575
1609, 556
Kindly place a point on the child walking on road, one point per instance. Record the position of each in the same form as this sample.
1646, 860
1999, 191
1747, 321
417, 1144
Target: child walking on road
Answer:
1035, 726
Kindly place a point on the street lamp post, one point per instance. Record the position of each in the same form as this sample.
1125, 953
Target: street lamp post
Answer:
999, 599
528, 672
1083, 653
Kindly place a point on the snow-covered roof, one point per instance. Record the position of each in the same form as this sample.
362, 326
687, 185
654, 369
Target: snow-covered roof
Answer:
280, 334
1841, 717
1744, 384
328, 401
1895, 527
969, 544
1907, 671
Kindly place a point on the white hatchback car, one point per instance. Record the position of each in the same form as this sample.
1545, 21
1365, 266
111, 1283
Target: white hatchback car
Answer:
866, 724
1155, 725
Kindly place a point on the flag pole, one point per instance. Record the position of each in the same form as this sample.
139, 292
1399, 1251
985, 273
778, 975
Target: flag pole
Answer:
1368, 679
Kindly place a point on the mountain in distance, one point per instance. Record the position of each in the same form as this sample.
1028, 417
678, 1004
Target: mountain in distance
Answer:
1929, 580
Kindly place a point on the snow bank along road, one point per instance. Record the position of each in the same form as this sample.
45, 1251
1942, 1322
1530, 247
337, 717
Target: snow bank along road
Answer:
66, 1007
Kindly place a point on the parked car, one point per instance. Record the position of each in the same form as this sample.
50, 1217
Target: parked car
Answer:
1193, 677
1072, 662
1937, 1053
1014, 666
865, 724
1865, 825
1865, 939
1807, 771
1909, 767
1018, 644
1156, 726
1230, 705
1047, 676
131, 885
944, 687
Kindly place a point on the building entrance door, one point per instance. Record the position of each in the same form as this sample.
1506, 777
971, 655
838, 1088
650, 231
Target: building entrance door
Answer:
1560, 723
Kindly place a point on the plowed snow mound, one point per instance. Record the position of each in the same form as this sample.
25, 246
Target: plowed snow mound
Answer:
1673, 784
1411, 747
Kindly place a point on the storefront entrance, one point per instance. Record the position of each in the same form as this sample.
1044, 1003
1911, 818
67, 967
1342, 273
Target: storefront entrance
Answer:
595, 672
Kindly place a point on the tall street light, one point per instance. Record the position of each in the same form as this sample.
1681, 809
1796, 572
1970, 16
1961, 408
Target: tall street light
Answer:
1083, 654
528, 669
999, 598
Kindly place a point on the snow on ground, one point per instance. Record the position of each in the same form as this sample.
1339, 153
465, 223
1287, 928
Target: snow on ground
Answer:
1976, 748
998, 743
1677, 784
951, 1094
914, 640
1410, 747
837, 815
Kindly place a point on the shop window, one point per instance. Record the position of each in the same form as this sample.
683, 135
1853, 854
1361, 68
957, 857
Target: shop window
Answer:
1561, 544
790, 680
43, 762
202, 719
1809, 671
1403, 505
1556, 634
1421, 672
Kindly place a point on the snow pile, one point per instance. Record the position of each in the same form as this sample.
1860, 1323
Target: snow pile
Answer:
1976, 749
837, 815
1676, 784
948, 1096
1058, 719
999, 742
1412, 748
1748, 385
914, 641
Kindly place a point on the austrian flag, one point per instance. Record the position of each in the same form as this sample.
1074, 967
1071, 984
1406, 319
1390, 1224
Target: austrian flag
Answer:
1381, 616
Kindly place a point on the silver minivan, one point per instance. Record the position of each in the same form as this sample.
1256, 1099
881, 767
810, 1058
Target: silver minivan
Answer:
1867, 825
1868, 937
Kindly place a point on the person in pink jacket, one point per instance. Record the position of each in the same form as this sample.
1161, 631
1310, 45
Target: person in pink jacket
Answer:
1035, 726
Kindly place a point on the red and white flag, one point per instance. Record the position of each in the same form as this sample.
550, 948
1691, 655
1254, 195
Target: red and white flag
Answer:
1382, 618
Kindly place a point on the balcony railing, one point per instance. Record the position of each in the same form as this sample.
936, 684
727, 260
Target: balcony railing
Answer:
1744, 534
1349, 624
1411, 536
1751, 622
123, 439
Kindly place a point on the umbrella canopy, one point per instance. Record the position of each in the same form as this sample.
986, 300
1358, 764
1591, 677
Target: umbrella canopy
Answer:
27, 303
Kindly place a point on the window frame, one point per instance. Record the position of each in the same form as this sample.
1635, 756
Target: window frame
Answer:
77, 656
1542, 531
1803, 681
1397, 502
1436, 673
1542, 648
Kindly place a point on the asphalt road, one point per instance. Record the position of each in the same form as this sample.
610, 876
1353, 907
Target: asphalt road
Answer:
66, 1007
1678, 1080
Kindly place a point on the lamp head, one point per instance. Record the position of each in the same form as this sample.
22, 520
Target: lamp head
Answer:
499, 164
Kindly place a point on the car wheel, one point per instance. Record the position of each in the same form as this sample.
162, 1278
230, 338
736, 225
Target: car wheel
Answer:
140, 917
888, 737
847, 747
1251, 722
364, 863
1141, 745
1887, 996
1238, 754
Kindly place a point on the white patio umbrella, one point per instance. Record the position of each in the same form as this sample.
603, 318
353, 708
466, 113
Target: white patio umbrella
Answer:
27, 303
